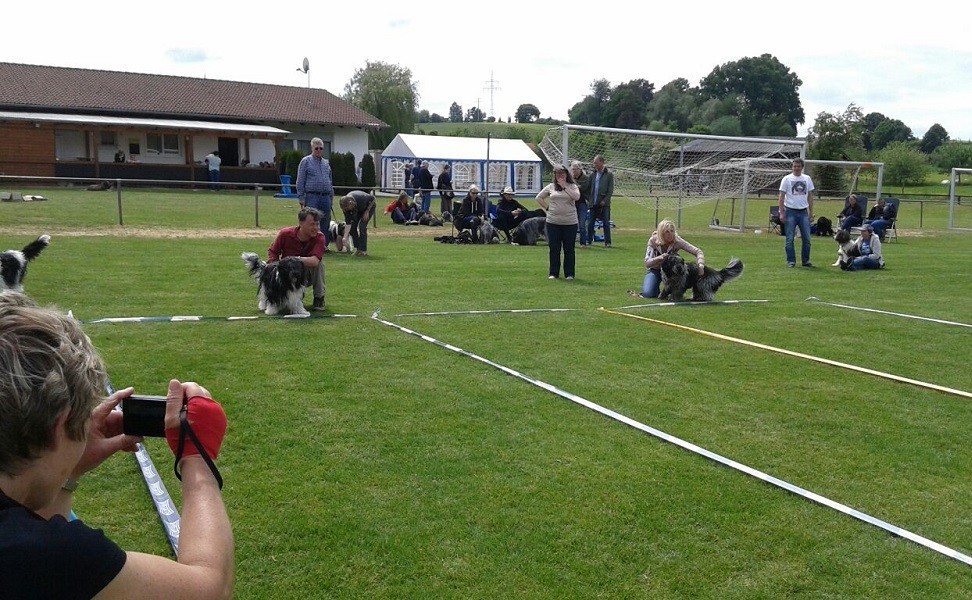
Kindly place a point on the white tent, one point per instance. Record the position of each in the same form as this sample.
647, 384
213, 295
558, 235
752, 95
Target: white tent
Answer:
505, 162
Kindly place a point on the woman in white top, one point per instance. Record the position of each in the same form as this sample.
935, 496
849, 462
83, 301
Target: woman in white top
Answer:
559, 200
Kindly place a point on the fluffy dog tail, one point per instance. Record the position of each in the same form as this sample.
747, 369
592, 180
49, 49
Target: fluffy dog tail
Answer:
733, 269
253, 264
33, 249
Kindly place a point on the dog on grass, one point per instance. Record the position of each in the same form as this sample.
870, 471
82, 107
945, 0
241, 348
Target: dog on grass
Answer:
335, 233
678, 277
13, 264
281, 284
846, 249
825, 227
529, 231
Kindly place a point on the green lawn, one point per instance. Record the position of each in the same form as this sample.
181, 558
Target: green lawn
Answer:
362, 462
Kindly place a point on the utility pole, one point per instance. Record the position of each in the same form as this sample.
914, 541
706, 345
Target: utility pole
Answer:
491, 87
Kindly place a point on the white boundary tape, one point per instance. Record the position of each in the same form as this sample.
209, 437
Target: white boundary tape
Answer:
486, 312
687, 303
885, 312
190, 318
818, 359
893, 529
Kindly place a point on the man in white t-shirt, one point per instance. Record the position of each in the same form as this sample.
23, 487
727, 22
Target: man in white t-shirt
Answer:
796, 210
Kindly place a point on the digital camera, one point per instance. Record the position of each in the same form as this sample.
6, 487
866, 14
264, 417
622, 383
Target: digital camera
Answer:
143, 415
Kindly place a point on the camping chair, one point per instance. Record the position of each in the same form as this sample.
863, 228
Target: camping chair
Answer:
891, 233
775, 226
861, 201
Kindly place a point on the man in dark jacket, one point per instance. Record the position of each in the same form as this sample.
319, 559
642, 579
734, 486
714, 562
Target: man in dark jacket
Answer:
471, 213
444, 185
602, 189
425, 185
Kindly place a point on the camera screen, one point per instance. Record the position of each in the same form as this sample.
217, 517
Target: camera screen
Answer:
144, 416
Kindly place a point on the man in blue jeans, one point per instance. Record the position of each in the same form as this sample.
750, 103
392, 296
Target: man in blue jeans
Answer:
314, 187
796, 210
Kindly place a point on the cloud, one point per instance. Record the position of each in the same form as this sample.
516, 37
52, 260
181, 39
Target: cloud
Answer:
187, 55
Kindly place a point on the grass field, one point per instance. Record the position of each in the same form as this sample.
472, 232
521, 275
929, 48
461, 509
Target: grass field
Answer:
362, 462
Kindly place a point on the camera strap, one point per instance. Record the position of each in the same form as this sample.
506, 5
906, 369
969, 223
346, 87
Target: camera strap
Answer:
186, 430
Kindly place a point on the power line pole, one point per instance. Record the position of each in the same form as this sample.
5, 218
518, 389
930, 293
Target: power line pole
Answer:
491, 87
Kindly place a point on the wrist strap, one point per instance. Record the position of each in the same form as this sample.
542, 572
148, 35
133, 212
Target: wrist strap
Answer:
184, 430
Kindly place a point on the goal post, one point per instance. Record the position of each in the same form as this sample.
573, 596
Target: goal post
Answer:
674, 171
955, 204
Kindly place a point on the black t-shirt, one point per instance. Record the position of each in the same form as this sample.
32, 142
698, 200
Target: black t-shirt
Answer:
52, 559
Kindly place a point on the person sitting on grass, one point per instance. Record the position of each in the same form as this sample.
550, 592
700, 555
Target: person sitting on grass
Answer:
401, 211
869, 247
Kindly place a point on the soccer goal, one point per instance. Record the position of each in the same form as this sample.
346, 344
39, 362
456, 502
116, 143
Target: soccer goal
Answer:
665, 170
959, 212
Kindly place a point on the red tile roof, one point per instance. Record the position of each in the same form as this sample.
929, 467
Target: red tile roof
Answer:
40, 88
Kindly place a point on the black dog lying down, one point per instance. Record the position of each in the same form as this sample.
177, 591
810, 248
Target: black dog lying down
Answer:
678, 277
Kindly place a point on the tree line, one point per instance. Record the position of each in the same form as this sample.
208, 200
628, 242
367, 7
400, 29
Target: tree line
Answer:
752, 96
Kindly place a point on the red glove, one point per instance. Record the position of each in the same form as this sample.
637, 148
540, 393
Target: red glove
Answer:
208, 422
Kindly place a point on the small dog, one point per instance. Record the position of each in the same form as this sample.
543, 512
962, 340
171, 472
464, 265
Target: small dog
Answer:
677, 278
335, 233
846, 249
282, 284
825, 227
13, 264
488, 234
529, 231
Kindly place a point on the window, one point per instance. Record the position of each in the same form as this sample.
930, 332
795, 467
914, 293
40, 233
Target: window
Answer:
162, 143
109, 138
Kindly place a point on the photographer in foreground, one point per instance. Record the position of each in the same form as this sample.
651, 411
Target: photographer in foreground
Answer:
54, 428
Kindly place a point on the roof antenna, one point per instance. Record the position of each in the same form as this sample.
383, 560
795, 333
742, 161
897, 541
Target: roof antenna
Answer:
306, 69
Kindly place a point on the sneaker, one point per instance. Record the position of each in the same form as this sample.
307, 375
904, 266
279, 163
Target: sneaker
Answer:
361, 253
808, 264
790, 265
551, 277
570, 278
318, 304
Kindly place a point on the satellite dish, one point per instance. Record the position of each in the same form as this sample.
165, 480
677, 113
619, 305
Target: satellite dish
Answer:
306, 65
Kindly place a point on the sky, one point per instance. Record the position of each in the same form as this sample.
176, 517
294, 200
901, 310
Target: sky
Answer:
912, 64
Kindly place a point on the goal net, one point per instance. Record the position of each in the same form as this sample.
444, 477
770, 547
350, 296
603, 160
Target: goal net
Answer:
675, 170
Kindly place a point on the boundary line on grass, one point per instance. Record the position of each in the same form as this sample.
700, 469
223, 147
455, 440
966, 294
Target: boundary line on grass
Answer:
886, 312
486, 312
804, 493
191, 318
818, 359
164, 506
689, 303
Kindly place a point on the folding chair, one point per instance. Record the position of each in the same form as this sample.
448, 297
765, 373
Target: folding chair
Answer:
774, 220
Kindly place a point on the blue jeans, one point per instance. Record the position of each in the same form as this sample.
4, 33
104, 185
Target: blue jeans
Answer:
321, 202
880, 227
864, 262
797, 218
604, 214
582, 212
213, 179
561, 237
652, 284
851, 221
426, 200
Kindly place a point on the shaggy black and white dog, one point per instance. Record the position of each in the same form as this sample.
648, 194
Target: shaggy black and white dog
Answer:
678, 277
335, 233
846, 249
528, 232
13, 264
281, 284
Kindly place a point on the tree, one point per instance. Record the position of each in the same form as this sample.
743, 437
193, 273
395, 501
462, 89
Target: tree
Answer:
422, 116
455, 113
766, 86
933, 138
834, 137
588, 111
869, 124
474, 115
952, 155
627, 104
903, 165
672, 106
369, 180
527, 113
387, 92
889, 131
